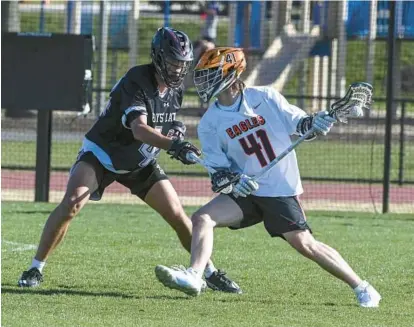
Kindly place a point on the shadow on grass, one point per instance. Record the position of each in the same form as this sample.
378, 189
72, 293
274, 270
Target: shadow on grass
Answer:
65, 290
32, 212
277, 302
366, 216
346, 224
328, 304
7, 288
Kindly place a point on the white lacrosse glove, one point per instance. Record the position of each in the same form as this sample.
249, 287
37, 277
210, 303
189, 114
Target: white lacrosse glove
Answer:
245, 186
322, 122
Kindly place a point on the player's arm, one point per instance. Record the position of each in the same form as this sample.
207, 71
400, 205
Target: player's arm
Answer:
296, 120
148, 135
173, 144
135, 117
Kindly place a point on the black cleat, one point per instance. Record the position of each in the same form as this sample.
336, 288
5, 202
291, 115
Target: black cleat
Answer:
30, 278
219, 282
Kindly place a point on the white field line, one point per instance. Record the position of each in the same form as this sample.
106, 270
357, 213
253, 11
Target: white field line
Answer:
19, 247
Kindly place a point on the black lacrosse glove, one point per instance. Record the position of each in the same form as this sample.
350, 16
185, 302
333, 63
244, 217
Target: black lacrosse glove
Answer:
223, 181
179, 150
177, 130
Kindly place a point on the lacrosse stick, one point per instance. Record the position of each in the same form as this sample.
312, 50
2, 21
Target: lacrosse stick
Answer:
227, 189
192, 156
359, 96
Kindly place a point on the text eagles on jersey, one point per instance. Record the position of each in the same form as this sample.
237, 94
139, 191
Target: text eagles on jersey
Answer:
245, 126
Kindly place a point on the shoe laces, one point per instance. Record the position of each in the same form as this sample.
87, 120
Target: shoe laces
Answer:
221, 275
179, 268
33, 273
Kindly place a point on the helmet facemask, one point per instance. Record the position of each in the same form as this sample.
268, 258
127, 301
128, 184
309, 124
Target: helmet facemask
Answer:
209, 82
172, 71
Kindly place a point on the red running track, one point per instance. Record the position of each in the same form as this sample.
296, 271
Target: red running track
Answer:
197, 187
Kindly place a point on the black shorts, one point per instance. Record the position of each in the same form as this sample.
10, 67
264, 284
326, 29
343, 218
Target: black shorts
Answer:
139, 182
279, 214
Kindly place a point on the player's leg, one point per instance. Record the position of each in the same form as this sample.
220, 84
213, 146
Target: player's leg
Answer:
290, 222
221, 211
82, 182
331, 261
152, 185
325, 256
164, 199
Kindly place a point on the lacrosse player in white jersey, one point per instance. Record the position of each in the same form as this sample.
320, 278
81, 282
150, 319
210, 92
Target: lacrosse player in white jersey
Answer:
241, 132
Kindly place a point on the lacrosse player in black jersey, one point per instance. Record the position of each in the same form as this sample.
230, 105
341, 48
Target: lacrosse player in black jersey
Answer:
138, 122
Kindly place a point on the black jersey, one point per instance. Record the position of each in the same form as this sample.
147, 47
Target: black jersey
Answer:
135, 94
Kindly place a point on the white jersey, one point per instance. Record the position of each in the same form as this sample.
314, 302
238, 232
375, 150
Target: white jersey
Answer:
246, 140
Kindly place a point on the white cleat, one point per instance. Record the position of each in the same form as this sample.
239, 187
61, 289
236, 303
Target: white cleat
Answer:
180, 279
369, 297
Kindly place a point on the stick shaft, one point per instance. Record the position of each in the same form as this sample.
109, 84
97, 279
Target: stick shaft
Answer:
284, 154
195, 158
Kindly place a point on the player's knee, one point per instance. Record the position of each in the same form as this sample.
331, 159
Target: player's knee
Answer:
308, 247
201, 219
70, 207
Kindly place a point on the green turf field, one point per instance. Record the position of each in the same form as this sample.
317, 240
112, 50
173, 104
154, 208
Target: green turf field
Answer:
102, 275
328, 158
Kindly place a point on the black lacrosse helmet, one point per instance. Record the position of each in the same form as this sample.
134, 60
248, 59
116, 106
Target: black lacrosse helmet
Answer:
172, 55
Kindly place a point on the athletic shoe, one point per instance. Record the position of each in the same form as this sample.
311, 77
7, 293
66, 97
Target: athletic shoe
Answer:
218, 281
177, 277
30, 278
369, 297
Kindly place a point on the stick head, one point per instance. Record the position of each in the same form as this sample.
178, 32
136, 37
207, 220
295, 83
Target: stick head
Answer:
358, 97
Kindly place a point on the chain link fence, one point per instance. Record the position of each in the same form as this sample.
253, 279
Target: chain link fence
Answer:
297, 47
